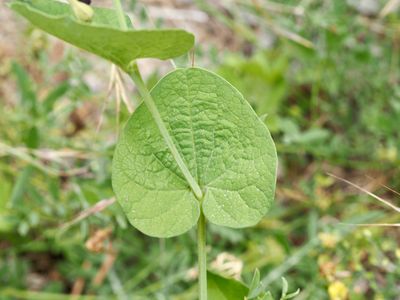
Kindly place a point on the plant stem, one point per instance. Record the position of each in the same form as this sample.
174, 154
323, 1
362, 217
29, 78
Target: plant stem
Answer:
151, 106
202, 256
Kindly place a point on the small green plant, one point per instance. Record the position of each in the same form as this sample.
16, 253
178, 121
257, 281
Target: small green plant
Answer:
193, 152
256, 291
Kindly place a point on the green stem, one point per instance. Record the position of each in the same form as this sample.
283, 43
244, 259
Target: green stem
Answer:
151, 106
202, 256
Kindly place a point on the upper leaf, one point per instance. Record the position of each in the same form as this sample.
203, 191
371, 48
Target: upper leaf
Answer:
101, 36
226, 147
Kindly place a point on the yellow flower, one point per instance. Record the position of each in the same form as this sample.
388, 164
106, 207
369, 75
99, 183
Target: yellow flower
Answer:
328, 240
337, 291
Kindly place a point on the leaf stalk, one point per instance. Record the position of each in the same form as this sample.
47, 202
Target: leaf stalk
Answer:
151, 106
202, 256
134, 72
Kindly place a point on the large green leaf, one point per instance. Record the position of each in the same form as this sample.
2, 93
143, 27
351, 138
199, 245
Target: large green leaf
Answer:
102, 36
226, 147
221, 288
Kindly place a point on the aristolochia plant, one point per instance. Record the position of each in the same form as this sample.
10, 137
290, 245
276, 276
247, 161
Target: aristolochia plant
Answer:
194, 151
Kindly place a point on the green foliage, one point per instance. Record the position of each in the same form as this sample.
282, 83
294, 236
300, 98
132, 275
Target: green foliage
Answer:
122, 46
256, 292
226, 147
262, 77
339, 113
220, 138
222, 288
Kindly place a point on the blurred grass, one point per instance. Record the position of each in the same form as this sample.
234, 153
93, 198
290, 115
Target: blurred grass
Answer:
325, 76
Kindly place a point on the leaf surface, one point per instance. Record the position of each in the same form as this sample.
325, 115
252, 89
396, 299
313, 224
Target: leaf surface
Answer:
221, 288
226, 147
101, 36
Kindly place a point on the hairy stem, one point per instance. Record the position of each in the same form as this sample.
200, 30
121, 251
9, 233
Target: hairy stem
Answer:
202, 256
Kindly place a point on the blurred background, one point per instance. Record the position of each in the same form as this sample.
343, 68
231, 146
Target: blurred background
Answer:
325, 77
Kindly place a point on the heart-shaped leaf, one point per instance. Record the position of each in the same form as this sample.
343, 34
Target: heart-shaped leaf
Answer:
101, 36
226, 147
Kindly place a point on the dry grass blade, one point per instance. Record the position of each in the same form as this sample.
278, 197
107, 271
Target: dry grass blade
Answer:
374, 196
390, 189
394, 207
79, 283
121, 87
106, 266
24, 156
292, 36
389, 7
116, 82
59, 155
282, 8
28, 156
98, 207
373, 224
387, 187
280, 30
111, 84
